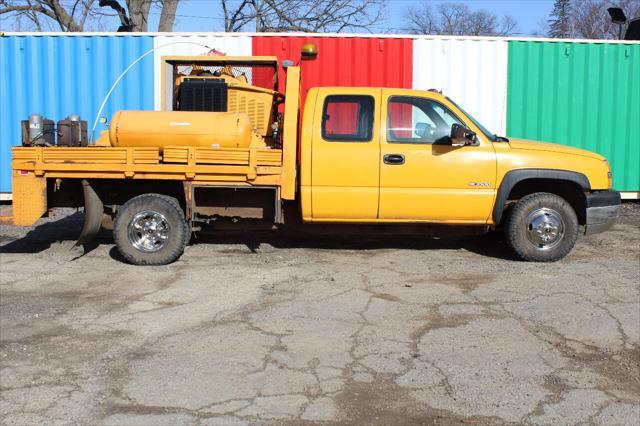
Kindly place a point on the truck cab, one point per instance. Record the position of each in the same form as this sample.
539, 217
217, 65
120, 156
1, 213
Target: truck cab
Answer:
386, 155
399, 155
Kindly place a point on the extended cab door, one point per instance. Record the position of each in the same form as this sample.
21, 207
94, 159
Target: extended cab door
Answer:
345, 155
422, 177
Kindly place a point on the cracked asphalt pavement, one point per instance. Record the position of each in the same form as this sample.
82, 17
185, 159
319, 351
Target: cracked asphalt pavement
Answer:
276, 329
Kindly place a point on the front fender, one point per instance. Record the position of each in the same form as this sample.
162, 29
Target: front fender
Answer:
512, 178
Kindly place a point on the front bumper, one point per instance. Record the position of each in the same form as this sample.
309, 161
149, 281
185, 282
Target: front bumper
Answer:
603, 208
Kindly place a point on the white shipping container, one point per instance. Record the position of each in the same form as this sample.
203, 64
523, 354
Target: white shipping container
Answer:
472, 72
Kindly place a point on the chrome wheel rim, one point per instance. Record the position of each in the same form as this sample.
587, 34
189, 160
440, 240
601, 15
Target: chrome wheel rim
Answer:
148, 231
545, 228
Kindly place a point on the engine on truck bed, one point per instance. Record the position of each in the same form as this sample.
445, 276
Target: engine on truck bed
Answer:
223, 91
221, 84
218, 102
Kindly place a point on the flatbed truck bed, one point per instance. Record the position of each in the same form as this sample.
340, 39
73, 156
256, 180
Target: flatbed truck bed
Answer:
33, 166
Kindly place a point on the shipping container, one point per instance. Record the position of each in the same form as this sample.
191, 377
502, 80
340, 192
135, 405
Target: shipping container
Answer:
580, 94
573, 92
58, 75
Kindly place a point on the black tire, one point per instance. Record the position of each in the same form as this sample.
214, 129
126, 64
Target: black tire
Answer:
543, 209
155, 211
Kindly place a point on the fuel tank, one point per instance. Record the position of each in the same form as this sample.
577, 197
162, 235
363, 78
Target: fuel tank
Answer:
180, 128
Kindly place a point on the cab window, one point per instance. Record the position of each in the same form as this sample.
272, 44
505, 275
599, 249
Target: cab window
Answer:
418, 120
347, 118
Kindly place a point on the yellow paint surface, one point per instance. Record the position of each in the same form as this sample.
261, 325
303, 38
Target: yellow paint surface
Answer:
29, 197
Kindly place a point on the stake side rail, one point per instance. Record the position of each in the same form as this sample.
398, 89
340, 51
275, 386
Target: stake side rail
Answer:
252, 166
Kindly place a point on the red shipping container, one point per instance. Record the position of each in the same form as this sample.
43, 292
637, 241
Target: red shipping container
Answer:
343, 61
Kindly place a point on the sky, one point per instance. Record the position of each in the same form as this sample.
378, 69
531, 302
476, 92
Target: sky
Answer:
204, 15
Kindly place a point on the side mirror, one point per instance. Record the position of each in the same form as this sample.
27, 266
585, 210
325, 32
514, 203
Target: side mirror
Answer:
461, 135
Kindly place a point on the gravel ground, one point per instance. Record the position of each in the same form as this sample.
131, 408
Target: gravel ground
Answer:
383, 330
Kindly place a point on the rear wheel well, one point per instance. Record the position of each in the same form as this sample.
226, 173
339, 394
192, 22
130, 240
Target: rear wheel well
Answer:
119, 192
112, 192
572, 192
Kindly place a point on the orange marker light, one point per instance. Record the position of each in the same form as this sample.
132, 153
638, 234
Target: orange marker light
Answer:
309, 51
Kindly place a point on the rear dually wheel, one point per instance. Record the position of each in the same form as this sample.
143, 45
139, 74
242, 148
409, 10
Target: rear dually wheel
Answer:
151, 229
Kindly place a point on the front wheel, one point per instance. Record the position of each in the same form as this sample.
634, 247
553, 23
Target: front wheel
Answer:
150, 229
542, 227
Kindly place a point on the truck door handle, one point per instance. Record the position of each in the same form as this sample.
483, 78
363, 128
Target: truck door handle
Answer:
393, 159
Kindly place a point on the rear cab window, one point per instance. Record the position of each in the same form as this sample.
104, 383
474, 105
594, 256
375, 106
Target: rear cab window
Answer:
347, 118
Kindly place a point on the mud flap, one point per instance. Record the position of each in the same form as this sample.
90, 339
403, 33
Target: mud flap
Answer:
93, 211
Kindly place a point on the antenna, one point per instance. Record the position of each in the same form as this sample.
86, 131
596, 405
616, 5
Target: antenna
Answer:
121, 76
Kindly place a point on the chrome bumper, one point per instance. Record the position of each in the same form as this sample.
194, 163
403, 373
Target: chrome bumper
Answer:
603, 208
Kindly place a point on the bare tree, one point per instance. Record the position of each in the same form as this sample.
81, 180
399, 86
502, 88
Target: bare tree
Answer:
237, 15
590, 19
457, 19
541, 29
302, 15
422, 20
29, 15
68, 18
79, 15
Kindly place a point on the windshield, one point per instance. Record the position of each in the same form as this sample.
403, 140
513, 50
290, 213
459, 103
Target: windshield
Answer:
492, 136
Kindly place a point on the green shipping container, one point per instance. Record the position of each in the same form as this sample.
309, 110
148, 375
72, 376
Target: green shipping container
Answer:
585, 95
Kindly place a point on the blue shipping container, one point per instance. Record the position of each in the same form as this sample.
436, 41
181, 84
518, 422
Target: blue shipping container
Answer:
58, 75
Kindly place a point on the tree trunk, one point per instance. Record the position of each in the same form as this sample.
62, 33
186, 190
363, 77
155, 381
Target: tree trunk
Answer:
168, 15
139, 14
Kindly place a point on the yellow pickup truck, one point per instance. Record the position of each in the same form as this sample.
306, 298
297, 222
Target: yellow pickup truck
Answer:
227, 146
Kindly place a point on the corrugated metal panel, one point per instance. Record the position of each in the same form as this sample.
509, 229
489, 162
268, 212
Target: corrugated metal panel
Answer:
472, 72
344, 61
59, 75
188, 45
580, 94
